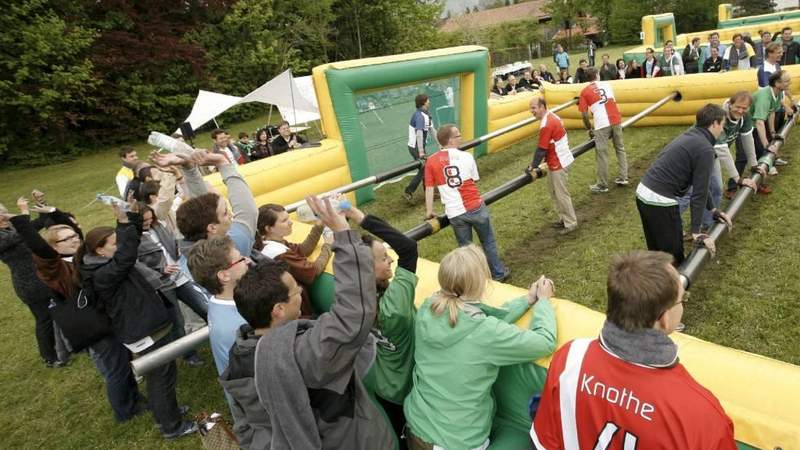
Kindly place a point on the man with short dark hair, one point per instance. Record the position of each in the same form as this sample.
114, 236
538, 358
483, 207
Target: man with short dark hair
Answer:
580, 72
299, 383
691, 56
791, 49
713, 42
761, 48
627, 389
670, 63
738, 56
714, 62
598, 97
222, 144
125, 174
767, 106
685, 162
607, 69
650, 68
454, 173
286, 140
591, 48
553, 147
418, 129
528, 82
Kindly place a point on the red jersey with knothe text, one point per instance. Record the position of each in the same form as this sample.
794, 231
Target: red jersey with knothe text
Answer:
592, 399
553, 138
454, 173
599, 98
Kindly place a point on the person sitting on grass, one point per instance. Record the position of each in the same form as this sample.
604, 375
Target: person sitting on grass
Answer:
460, 345
299, 383
274, 226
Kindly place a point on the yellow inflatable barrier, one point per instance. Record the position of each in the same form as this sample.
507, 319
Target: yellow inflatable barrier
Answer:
766, 417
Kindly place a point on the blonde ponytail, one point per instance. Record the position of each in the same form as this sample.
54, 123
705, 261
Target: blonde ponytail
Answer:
463, 276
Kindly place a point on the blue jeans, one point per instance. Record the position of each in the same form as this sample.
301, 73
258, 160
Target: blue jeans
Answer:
192, 295
113, 361
479, 220
714, 190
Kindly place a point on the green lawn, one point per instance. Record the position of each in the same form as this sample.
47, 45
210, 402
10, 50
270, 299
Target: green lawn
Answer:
575, 56
745, 299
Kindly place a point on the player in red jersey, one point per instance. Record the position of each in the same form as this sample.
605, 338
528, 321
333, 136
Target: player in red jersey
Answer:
598, 97
454, 173
626, 390
554, 148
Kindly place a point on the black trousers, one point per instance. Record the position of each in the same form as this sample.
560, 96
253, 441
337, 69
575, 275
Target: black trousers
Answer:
45, 333
414, 183
663, 229
161, 384
397, 417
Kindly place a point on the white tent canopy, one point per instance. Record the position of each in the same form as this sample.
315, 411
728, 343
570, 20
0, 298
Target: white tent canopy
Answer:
294, 97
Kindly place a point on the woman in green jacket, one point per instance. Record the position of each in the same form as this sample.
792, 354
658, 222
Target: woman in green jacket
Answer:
460, 345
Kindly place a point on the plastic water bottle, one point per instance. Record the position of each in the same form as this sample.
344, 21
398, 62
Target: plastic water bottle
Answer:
305, 214
168, 143
111, 200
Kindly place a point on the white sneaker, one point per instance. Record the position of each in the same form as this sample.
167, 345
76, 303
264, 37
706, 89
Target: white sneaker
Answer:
781, 162
773, 171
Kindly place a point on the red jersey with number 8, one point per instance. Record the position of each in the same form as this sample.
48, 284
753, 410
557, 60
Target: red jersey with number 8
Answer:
599, 98
593, 399
454, 173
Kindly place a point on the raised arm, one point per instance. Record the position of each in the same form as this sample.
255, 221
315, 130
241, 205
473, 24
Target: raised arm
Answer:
128, 232
405, 247
326, 352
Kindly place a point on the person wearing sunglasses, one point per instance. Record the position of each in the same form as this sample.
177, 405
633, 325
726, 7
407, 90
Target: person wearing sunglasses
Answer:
629, 387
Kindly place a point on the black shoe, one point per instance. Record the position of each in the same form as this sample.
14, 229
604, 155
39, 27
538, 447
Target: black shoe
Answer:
57, 364
568, 230
503, 277
558, 225
194, 361
186, 428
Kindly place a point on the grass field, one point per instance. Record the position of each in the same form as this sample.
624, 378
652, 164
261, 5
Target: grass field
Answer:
746, 298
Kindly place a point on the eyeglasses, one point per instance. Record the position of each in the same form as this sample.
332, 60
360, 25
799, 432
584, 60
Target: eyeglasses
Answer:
684, 299
71, 236
242, 259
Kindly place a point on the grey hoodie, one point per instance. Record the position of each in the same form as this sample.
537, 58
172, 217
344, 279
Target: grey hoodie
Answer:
330, 356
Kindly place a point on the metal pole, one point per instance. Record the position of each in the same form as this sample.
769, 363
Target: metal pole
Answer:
480, 140
432, 226
415, 164
699, 256
169, 352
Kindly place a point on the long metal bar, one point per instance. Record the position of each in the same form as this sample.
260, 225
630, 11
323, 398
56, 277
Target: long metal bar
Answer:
169, 352
480, 140
432, 226
414, 165
700, 256
180, 346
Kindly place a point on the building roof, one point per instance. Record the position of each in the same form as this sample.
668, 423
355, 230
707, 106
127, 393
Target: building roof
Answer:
494, 16
577, 30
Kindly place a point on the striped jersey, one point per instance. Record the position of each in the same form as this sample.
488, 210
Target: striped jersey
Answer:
599, 98
593, 399
454, 173
553, 138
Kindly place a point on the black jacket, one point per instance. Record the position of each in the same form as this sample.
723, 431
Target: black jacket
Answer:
685, 162
136, 308
791, 53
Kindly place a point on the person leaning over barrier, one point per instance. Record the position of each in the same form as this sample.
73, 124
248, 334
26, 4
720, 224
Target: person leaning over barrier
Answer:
298, 382
598, 97
553, 147
685, 162
626, 388
460, 346
767, 106
394, 329
454, 173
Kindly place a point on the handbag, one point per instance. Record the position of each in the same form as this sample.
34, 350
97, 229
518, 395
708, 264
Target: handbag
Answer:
81, 319
215, 433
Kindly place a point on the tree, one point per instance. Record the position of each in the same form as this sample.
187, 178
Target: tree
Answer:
45, 83
567, 13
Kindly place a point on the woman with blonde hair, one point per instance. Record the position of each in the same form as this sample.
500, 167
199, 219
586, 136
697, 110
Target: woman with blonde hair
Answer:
460, 346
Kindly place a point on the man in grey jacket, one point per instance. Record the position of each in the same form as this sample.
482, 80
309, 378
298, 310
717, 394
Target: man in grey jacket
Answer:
298, 383
685, 162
